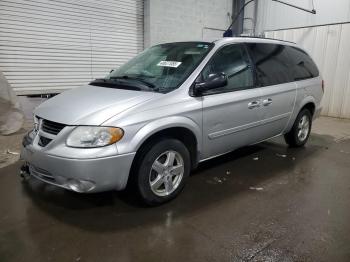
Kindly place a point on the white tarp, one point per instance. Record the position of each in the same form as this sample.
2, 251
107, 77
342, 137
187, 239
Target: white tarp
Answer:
11, 115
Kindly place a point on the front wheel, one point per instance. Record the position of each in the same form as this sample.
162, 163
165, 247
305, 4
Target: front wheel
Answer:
300, 132
162, 171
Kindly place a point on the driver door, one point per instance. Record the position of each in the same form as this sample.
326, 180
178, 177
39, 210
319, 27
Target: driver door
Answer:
231, 114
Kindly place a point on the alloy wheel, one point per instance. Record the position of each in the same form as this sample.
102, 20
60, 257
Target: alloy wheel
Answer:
303, 128
166, 173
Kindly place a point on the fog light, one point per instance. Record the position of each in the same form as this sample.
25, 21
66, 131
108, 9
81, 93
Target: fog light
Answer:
80, 185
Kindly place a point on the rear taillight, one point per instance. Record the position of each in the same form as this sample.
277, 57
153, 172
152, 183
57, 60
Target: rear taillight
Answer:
322, 85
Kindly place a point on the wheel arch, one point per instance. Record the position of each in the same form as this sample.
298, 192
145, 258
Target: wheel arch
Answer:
309, 106
308, 102
181, 128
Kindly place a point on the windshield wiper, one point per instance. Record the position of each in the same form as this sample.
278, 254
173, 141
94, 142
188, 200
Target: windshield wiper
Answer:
126, 77
112, 84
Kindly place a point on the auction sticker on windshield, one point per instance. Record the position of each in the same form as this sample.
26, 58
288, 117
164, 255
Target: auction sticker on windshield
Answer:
169, 63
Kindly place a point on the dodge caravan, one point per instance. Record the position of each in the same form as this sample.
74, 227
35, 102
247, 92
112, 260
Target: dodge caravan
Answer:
152, 120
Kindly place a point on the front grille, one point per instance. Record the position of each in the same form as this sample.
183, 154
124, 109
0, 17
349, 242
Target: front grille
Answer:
51, 127
44, 141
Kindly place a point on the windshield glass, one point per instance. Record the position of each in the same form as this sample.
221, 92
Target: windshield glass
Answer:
162, 68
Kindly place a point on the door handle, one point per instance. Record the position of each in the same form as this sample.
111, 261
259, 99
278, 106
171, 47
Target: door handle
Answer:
267, 101
253, 104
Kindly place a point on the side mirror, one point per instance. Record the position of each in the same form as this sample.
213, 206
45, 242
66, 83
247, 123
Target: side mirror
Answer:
112, 70
214, 81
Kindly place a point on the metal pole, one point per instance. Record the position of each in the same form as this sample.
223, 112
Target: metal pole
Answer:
255, 15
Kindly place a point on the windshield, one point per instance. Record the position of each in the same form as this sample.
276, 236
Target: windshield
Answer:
161, 68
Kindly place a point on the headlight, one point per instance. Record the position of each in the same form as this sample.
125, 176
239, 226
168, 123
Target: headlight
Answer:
94, 136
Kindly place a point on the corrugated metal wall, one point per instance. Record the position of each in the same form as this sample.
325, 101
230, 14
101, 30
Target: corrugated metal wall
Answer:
329, 47
50, 45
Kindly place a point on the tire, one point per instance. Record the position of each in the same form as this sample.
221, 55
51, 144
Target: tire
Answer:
299, 134
154, 167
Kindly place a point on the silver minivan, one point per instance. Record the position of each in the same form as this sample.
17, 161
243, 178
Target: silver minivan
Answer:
152, 120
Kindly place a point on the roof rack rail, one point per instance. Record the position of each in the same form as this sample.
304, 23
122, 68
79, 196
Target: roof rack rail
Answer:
262, 37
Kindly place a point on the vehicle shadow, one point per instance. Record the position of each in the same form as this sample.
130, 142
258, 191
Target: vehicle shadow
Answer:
220, 179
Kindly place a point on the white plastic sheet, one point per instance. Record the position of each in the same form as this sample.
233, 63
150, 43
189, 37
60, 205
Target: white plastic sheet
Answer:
11, 115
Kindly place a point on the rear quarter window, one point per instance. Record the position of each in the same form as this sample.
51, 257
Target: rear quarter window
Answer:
302, 65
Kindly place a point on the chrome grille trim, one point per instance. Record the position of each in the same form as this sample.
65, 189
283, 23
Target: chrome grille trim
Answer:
51, 127
47, 130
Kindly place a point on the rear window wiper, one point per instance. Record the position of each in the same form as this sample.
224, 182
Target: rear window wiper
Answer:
126, 77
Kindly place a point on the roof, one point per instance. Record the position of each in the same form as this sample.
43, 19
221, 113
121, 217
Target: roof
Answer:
252, 39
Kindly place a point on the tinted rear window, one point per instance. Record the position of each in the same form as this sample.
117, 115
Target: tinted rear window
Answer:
272, 63
277, 64
302, 65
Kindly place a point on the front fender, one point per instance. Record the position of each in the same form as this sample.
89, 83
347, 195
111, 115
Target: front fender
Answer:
155, 126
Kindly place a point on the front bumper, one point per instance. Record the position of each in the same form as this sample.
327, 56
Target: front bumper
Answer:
78, 174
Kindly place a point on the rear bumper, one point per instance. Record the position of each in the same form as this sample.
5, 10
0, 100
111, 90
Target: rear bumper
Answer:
80, 175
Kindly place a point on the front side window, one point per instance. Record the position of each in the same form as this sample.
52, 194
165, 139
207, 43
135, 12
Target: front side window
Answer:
272, 63
162, 68
234, 62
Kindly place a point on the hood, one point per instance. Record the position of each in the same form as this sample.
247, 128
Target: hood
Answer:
90, 105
